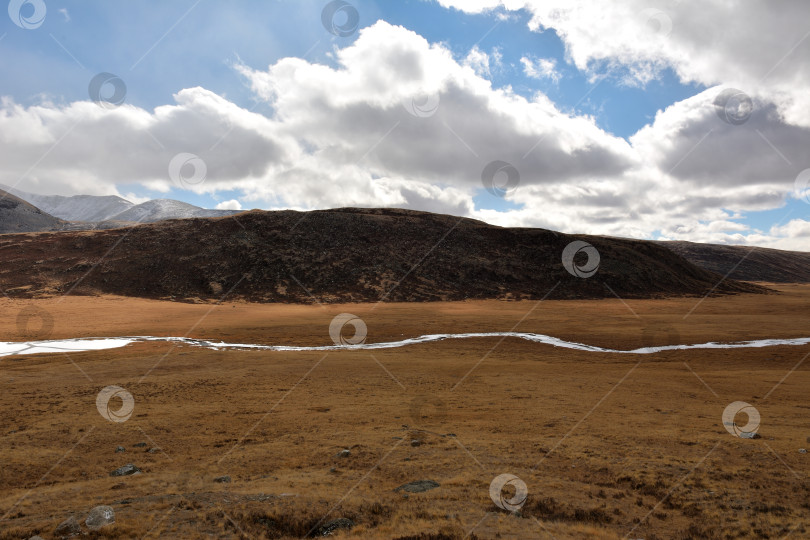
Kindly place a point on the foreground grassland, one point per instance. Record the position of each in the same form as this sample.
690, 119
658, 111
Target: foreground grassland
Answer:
609, 445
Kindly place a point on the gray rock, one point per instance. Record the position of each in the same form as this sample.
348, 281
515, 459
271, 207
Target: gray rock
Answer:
334, 525
68, 528
419, 486
747, 435
139, 445
802, 451
36, 538
343, 453
223, 479
126, 470
153, 450
99, 517
120, 449
416, 442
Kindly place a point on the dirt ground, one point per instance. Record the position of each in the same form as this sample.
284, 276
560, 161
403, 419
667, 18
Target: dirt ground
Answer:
608, 445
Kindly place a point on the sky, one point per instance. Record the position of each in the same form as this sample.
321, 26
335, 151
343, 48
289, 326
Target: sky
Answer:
633, 118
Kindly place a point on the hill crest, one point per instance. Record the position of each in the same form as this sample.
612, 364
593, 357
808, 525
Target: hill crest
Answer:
343, 255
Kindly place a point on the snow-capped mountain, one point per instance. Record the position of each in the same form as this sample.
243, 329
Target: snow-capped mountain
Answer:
77, 208
18, 216
94, 209
160, 209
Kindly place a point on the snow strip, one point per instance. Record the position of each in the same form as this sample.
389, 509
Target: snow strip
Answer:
98, 344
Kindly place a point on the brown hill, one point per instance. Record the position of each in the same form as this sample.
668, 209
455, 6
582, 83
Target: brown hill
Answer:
341, 255
17, 216
747, 263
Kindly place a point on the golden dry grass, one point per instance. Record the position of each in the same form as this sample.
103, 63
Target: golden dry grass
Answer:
609, 445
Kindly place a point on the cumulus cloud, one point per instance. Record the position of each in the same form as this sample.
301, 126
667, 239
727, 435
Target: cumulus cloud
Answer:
693, 141
131, 197
85, 148
540, 68
233, 204
795, 235
369, 110
397, 121
478, 61
759, 47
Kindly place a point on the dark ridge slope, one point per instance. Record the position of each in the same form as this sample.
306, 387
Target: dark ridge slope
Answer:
18, 216
745, 263
341, 255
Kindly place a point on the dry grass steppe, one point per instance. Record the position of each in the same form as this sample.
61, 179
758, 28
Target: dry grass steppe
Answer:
609, 445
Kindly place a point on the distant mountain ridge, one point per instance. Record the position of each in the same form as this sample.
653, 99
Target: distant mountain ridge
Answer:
111, 208
88, 212
162, 209
91, 208
747, 263
19, 216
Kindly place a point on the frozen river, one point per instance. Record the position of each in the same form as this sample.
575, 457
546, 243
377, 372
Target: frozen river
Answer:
97, 344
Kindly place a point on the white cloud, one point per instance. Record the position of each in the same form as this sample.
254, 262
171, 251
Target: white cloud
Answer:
131, 197
82, 147
758, 47
795, 235
342, 135
690, 141
795, 228
540, 68
478, 61
471, 6
233, 204
353, 114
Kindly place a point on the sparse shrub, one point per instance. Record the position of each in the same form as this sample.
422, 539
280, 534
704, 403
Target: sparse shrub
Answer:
697, 531
692, 510
438, 536
549, 509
